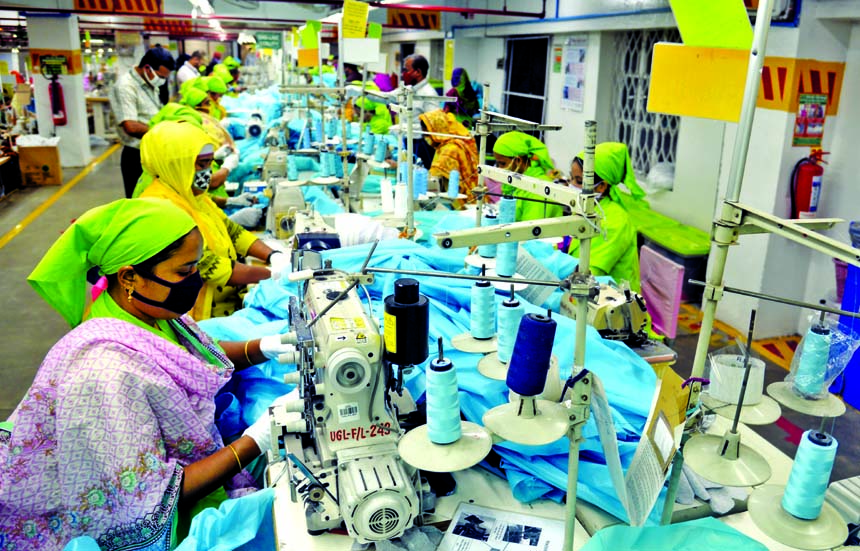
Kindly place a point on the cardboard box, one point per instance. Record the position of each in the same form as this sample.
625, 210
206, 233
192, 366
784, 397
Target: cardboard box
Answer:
40, 166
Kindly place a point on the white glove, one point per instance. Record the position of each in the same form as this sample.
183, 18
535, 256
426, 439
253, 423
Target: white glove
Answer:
247, 217
230, 162
243, 200
261, 432
222, 152
272, 347
279, 264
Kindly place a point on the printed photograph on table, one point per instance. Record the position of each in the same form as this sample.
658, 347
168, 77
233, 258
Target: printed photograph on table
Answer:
809, 122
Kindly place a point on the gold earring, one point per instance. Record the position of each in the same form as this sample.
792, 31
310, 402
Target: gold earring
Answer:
129, 291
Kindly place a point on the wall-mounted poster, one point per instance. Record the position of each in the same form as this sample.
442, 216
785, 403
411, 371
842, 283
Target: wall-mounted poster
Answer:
573, 90
809, 122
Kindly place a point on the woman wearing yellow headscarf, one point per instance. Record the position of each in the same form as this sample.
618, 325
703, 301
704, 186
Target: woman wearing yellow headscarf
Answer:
615, 252
179, 156
527, 155
451, 153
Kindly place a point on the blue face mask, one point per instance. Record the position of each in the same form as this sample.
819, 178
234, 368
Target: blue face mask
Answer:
182, 295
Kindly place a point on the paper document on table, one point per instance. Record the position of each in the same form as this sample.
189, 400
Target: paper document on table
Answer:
475, 528
657, 447
639, 488
606, 429
530, 268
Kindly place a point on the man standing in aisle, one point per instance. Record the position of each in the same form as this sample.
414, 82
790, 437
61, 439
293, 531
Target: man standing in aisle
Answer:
414, 74
190, 69
134, 100
415, 70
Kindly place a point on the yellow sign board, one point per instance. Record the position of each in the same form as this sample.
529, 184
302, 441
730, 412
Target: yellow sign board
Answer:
713, 24
354, 20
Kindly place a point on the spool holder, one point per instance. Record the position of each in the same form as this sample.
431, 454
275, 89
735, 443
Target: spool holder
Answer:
725, 460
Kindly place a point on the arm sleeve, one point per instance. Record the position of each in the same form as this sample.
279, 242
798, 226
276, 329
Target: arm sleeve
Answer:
242, 239
214, 269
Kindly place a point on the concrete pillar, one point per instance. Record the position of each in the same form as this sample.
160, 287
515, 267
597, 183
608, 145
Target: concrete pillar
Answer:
58, 35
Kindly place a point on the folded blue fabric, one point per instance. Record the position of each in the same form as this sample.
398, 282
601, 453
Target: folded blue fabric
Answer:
243, 524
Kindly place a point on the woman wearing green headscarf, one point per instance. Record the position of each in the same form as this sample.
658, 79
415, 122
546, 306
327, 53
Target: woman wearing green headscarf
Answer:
527, 155
179, 156
115, 439
376, 113
615, 251
195, 98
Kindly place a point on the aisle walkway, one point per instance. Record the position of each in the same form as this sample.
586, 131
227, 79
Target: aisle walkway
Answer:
30, 221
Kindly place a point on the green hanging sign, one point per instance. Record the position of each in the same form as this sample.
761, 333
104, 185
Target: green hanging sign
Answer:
268, 40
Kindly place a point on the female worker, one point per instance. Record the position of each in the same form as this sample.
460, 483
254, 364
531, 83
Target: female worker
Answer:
526, 155
451, 153
614, 252
179, 156
466, 106
376, 113
115, 438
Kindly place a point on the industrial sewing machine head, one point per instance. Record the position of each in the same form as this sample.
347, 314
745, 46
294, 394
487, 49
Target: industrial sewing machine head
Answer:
340, 436
615, 311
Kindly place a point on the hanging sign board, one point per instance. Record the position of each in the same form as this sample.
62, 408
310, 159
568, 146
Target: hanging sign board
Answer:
354, 19
266, 39
415, 19
360, 50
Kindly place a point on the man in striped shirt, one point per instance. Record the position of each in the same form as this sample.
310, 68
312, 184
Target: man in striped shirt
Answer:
134, 100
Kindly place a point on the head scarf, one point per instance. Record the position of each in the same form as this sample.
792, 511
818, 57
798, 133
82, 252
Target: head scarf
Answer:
168, 153
519, 144
213, 84
612, 163
176, 112
467, 100
194, 96
121, 233
381, 121
222, 73
231, 63
452, 153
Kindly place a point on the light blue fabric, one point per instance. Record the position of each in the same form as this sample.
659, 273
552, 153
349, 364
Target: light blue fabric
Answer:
82, 543
322, 202
242, 524
533, 472
707, 534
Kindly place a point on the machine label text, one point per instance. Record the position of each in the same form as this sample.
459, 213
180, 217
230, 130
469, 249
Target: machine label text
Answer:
360, 433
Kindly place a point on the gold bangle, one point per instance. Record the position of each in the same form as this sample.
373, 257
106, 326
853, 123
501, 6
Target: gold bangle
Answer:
236, 455
246, 353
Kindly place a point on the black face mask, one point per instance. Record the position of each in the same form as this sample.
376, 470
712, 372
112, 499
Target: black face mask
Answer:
182, 295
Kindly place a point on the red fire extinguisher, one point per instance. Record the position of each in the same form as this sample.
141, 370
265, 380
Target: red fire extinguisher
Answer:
806, 185
58, 103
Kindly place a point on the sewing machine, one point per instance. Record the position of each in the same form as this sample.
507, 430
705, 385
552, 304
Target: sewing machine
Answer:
340, 436
286, 201
615, 311
313, 232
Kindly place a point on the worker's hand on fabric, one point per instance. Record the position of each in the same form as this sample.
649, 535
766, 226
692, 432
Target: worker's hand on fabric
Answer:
243, 200
279, 265
230, 162
223, 152
272, 347
261, 432
247, 217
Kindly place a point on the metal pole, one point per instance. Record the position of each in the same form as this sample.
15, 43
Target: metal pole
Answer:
410, 215
580, 291
483, 131
717, 257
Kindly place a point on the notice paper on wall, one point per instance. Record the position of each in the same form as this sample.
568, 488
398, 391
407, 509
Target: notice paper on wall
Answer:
573, 89
476, 528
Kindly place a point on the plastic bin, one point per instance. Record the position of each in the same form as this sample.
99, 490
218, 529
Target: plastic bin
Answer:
695, 267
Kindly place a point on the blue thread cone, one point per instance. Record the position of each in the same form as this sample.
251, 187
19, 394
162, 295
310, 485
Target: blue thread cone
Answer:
509, 321
532, 353
482, 319
453, 183
810, 474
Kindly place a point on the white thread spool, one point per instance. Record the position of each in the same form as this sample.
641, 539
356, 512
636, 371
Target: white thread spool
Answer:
386, 191
400, 204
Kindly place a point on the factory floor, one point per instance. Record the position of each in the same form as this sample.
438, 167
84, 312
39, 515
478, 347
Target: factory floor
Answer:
32, 218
